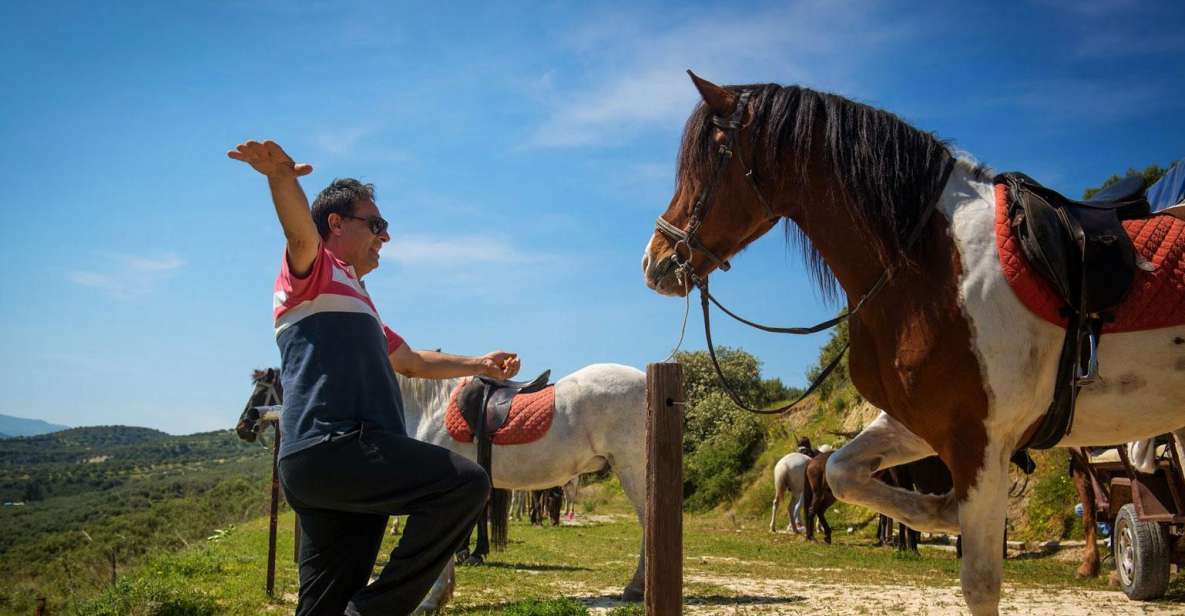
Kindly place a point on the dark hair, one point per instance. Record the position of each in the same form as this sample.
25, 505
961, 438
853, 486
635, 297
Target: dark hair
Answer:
888, 169
339, 198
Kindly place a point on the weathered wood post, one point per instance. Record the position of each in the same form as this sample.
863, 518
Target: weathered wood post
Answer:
40, 607
664, 489
271, 530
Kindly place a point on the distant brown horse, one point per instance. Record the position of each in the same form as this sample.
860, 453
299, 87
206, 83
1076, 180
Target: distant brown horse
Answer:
1086, 496
817, 496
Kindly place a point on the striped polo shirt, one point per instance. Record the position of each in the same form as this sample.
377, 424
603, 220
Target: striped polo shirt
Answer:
335, 371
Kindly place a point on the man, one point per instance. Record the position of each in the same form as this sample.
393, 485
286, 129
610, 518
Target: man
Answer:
346, 462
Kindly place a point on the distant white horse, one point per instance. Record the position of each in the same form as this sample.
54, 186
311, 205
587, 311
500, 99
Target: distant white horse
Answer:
789, 476
600, 419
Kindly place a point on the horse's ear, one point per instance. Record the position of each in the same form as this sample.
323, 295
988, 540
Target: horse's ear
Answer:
721, 101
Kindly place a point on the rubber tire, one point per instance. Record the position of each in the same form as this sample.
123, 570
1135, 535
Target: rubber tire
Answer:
1145, 576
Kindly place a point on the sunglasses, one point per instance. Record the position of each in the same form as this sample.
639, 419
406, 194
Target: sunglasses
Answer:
377, 224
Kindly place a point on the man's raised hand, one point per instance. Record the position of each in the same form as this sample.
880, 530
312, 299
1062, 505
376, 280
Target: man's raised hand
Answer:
269, 159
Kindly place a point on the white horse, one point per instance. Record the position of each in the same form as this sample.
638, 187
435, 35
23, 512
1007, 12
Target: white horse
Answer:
789, 476
600, 419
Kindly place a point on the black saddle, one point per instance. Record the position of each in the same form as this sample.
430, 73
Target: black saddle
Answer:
485, 405
485, 402
1083, 251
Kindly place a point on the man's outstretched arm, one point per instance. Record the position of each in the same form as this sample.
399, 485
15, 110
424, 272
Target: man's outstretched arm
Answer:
437, 365
292, 207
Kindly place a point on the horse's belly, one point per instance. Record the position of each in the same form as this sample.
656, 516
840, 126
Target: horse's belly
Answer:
1141, 392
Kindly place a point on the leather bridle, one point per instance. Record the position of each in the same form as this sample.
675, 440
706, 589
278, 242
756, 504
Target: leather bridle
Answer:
703, 205
690, 240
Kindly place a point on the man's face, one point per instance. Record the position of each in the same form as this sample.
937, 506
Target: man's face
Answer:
353, 240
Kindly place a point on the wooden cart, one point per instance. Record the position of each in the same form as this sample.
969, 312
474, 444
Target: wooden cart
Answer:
1146, 513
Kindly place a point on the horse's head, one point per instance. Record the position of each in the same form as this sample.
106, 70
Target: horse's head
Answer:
266, 391
718, 207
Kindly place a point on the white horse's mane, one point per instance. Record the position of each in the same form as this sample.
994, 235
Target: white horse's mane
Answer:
429, 396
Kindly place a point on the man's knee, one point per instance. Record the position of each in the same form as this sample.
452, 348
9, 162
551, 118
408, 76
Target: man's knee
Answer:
475, 484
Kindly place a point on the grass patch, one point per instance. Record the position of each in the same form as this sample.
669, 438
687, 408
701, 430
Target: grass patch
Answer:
557, 570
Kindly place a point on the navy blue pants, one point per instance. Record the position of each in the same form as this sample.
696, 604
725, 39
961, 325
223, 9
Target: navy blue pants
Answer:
345, 489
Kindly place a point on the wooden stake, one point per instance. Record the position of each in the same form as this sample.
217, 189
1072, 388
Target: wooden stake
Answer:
271, 530
664, 489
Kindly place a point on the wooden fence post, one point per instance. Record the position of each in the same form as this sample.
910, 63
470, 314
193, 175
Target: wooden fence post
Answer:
664, 489
41, 607
271, 530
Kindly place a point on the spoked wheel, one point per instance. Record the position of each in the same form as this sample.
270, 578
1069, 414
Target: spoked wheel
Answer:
1141, 556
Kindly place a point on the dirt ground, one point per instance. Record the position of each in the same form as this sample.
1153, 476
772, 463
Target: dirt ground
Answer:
786, 596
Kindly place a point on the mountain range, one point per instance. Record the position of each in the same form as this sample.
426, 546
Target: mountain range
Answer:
19, 426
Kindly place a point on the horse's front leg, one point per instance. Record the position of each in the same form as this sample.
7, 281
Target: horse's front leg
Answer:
982, 515
886, 442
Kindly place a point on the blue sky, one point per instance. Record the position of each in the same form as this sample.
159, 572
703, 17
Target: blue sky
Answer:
520, 150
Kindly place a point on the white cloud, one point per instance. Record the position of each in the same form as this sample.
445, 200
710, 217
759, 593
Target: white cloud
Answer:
126, 277
634, 78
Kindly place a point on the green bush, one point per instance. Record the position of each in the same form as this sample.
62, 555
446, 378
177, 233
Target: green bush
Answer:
145, 597
1050, 509
721, 441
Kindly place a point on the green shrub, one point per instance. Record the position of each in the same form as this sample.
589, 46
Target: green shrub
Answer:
145, 597
1050, 509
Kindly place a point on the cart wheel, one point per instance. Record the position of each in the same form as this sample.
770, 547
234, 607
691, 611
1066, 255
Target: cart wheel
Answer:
1141, 556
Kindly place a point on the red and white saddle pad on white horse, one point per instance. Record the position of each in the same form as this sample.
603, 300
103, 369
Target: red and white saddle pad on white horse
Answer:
530, 418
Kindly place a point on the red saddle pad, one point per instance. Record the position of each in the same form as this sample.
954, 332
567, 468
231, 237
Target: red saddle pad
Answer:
530, 418
1156, 299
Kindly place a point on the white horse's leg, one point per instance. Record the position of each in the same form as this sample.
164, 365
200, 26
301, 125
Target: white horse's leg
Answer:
440, 593
981, 521
795, 511
779, 492
632, 475
885, 443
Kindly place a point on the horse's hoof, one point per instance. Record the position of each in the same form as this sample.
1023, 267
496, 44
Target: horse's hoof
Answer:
633, 595
473, 561
461, 557
1087, 572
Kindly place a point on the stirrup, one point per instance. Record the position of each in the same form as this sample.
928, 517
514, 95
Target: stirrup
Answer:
1091, 373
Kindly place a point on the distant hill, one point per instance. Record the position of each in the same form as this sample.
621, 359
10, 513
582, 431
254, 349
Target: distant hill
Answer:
115, 492
19, 426
124, 446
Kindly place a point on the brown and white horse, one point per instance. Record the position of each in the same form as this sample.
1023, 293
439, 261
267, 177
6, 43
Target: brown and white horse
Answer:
961, 368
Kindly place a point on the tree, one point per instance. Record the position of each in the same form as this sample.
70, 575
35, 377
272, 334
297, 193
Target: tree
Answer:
720, 440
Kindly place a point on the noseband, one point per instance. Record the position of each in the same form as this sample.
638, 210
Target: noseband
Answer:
699, 212
689, 239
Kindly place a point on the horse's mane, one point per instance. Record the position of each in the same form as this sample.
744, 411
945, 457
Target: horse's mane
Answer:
887, 170
429, 395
